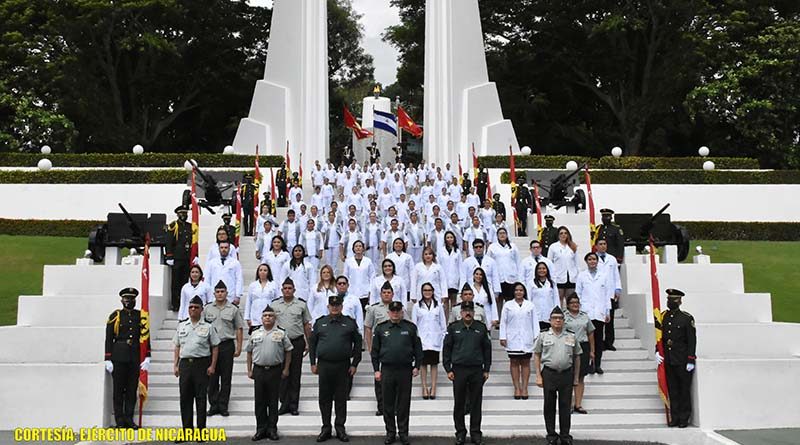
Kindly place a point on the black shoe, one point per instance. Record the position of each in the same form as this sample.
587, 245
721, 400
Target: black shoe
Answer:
683, 425
273, 435
477, 440
323, 436
566, 440
552, 441
259, 435
599, 371
389, 439
404, 439
342, 436
294, 412
224, 413
432, 396
610, 348
580, 410
378, 413
212, 412
283, 410
672, 423
461, 440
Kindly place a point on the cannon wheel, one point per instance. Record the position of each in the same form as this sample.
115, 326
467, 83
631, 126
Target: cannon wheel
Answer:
97, 243
682, 237
579, 200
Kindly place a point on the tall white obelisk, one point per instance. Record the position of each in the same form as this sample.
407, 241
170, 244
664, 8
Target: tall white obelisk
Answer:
291, 102
461, 106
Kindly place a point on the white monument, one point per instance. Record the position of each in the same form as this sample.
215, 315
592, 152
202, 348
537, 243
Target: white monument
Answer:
461, 106
384, 140
291, 102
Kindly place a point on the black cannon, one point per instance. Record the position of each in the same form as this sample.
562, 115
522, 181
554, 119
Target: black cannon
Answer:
214, 191
639, 226
127, 230
559, 188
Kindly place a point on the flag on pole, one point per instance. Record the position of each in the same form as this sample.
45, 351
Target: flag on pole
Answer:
661, 371
460, 171
514, 187
404, 122
300, 169
274, 200
288, 170
144, 333
351, 123
488, 188
238, 215
257, 184
590, 201
194, 253
474, 162
538, 210
384, 121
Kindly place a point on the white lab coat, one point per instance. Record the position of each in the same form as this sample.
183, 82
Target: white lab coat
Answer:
188, 291
213, 252
544, 298
275, 263
403, 267
488, 265
612, 268
258, 298
596, 291
433, 274
230, 273
565, 263
360, 275
519, 326
318, 302
527, 269
507, 261
398, 286
486, 300
431, 325
304, 277
451, 265
352, 308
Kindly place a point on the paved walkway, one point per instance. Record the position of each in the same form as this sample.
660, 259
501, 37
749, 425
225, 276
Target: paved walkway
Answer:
781, 436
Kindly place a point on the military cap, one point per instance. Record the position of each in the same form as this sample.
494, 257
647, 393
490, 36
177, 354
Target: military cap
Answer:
606, 211
288, 281
467, 305
674, 293
549, 217
220, 285
181, 209
466, 288
248, 175
129, 292
387, 286
496, 195
268, 309
226, 216
335, 300
197, 301
557, 311
396, 306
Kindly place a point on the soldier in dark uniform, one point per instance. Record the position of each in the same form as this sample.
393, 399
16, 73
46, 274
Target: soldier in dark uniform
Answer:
498, 206
347, 155
523, 204
466, 185
612, 233
549, 233
268, 202
280, 182
374, 153
482, 184
396, 355
678, 340
229, 229
249, 191
179, 246
125, 330
467, 358
335, 352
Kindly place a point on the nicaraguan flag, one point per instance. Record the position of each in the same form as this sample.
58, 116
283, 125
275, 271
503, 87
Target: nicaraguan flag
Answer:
385, 121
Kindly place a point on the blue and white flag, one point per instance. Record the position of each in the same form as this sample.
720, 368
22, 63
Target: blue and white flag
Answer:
385, 121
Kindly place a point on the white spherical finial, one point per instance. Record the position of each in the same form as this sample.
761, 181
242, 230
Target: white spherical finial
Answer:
708, 165
616, 152
572, 165
526, 150
188, 166
87, 253
138, 149
45, 149
44, 164
699, 250
228, 150
703, 151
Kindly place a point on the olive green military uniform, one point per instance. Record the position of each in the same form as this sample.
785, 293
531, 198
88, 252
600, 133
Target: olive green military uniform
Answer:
549, 237
679, 340
124, 331
396, 351
269, 351
613, 234
292, 316
226, 321
376, 314
559, 352
480, 313
196, 342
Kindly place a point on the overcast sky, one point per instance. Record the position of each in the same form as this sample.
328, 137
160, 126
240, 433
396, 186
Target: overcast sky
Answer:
377, 16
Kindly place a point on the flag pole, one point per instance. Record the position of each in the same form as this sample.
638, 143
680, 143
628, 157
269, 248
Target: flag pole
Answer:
399, 130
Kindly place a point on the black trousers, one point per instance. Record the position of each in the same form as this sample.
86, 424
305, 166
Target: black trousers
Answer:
219, 387
609, 328
557, 385
396, 386
126, 382
193, 384
180, 275
267, 383
679, 381
281, 185
378, 394
290, 386
333, 388
599, 331
247, 219
468, 383
522, 214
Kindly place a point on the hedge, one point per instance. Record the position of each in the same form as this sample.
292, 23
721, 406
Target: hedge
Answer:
742, 231
625, 162
132, 160
38, 227
177, 176
686, 177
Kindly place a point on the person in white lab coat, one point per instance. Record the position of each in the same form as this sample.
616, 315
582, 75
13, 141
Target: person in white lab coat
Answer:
195, 286
259, 294
428, 271
506, 256
482, 294
429, 316
519, 327
326, 287
415, 235
595, 287
527, 268
543, 294
450, 259
213, 250
360, 270
276, 257
303, 273
565, 263
609, 262
387, 273
485, 262
403, 263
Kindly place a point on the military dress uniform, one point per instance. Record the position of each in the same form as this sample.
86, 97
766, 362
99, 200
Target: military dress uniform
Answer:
178, 248
230, 229
679, 340
376, 314
125, 330
498, 206
549, 234
196, 342
613, 234
268, 349
467, 353
523, 204
396, 352
481, 185
292, 316
249, 192
280, 183
227, 321
334, 347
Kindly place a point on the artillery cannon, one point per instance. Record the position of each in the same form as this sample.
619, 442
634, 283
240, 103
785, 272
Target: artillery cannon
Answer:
559, 189
127, 230
639, 226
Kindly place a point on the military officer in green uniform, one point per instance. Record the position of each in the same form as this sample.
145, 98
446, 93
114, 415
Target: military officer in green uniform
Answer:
498, 206
269, 355
376, 314
292, 316
549, 234
229, 228
612, 233
249, 192
125, 330
196, 348
479, 314
396, 355
280, 182
678, 340
335, 352
179, 246
229, 324
467, 358
557, 362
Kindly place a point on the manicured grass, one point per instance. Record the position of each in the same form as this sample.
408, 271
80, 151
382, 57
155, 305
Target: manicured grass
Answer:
22, 258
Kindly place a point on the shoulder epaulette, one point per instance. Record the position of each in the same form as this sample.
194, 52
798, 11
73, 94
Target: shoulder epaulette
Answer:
478, 304
278, 328
688, 314
376, 304
301, 299
181, 321
113, 316
277, 298
209, 303
569, 331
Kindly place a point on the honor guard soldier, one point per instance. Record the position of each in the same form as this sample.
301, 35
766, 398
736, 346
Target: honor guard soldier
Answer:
678, 340
376, 314
466, 185
125, 330
196, 348
229, 229
280, 182
557, 363
482, 183
498, 205
522, 204
396, 355
293, 316
269, 355
549, 234
612, 233
228, 323
335, 352
479, 313
179, 246
249, 193
467, 358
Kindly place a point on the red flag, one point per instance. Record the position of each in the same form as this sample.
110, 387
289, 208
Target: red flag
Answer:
488, 188
661, 371
404, 122
194, 254
238, 215
474, 161
460, 171
590, 202
272, 192
513, 168
257, 183
300, 168
351, 123
538, 208
144, 334
288, 171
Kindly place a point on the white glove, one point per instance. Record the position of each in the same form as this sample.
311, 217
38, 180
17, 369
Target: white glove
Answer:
145, 366
109, 366
690, 367
170, 262
659, 359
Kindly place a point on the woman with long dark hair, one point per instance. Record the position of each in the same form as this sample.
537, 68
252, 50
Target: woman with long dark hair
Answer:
483, 296
387, 273
429, 316
595, 288
450, 259
300, 271
195, 286
259, 294
519, 327
544, 294
428, 271
276, 257
506, 257
565, 263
